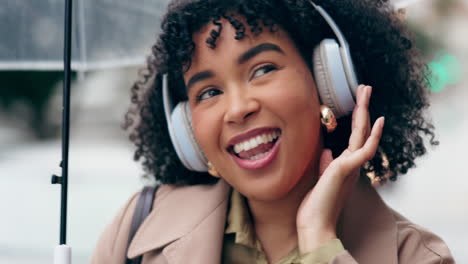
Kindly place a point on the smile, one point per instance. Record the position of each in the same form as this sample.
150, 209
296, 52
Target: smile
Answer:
258, 150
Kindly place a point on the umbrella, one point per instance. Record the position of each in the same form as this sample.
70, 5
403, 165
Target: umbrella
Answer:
97, 34
105, 33
398, 4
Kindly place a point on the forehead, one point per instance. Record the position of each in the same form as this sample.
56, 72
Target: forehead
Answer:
228, 48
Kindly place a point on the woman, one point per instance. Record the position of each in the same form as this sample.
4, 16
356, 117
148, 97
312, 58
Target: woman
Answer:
286, 181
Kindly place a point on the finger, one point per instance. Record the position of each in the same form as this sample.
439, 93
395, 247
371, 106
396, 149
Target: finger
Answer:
325, 159
358, 95
360, 110
363, 99
369, 149
361, 121
346, 164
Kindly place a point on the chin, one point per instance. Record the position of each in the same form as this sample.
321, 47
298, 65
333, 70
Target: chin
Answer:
269, 188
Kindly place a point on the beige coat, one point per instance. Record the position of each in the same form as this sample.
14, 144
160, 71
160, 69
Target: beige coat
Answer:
187, 226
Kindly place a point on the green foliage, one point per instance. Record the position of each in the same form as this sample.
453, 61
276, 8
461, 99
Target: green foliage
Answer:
444, 71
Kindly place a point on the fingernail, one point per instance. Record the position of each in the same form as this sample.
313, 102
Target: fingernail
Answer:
363, 93
369, 92
383, 121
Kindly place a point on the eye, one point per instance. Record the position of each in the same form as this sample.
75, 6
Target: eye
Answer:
263, 70
207, 94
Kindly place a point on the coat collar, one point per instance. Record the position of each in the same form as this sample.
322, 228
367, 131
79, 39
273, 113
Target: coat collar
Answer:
189, 222
181, 218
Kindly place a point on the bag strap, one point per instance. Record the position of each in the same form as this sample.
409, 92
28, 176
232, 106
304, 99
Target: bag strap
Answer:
142, 210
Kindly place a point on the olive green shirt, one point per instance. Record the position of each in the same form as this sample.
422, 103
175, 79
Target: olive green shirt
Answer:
241, 245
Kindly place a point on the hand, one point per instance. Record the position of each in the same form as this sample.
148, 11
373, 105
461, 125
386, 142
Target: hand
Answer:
319, 211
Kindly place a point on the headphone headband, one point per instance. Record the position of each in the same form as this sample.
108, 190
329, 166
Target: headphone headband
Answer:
344, 49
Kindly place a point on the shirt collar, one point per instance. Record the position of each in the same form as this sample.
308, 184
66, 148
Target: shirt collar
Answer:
239, 221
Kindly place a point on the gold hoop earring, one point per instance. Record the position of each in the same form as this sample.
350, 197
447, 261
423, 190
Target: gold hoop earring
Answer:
212, 170
327, 118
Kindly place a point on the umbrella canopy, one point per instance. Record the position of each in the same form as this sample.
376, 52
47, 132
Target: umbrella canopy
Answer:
106, 33
403, 3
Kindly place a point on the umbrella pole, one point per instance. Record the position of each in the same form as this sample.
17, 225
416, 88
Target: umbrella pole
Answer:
62, 254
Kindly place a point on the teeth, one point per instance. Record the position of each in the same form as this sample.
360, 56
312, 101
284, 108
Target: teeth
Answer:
269, 137
258, 156
254, 142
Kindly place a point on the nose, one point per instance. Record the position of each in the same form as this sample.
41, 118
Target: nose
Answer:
240, 107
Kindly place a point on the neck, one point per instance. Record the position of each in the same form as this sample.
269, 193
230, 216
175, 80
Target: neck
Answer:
275, 221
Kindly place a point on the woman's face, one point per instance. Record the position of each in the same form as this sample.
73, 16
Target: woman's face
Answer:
255, 111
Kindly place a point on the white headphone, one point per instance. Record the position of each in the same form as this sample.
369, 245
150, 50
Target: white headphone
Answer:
335, 79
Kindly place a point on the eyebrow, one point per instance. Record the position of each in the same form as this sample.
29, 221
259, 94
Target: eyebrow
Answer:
243, 58
246, 56
199, 77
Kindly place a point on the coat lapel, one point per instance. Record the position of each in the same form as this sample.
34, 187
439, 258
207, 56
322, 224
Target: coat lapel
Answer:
188, 224
187, 221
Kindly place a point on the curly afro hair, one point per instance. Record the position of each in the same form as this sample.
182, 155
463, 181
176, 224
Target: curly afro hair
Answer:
383, 54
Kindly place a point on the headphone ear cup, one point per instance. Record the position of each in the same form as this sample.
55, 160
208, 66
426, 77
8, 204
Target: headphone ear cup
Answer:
330, 78
322, 78
184, 141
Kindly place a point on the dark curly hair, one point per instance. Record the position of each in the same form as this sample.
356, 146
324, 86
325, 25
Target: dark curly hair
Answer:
382, 50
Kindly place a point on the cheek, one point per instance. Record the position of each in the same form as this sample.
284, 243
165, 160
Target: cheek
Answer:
297, 96
298, 102
201, 120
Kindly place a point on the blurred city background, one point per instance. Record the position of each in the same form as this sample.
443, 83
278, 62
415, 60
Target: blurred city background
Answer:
102, 172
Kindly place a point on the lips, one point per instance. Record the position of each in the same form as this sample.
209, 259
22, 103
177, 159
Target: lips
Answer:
253, 142
260, 162
255, 149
